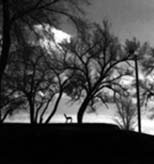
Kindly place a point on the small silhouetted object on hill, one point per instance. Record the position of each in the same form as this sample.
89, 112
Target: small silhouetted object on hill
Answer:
68, 118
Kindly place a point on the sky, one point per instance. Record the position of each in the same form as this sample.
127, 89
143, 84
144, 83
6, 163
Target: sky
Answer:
129, 18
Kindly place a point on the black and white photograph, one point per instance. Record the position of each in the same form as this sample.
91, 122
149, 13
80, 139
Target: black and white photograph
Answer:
76, 81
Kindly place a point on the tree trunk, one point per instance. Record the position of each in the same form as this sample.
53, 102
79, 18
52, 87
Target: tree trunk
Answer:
82, 109
31, 112
55, 108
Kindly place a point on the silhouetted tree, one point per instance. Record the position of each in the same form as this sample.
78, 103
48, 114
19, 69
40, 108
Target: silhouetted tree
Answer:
147, 85
125, 116
10, 102
95, 56
62, 77
30, 77
16, 16
38, 75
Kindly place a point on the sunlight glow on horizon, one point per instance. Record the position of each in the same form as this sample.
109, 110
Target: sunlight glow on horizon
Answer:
147, 124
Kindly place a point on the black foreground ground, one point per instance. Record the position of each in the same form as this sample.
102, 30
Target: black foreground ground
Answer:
73, 144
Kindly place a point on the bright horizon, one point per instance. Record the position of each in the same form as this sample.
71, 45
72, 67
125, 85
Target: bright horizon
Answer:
102, 115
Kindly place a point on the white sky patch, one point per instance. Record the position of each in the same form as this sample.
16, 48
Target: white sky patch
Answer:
141, 76
126, 80
50, 36
60, 36
41, 93
150, 77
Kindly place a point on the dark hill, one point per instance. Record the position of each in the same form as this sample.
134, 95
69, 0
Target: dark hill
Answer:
73, 143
